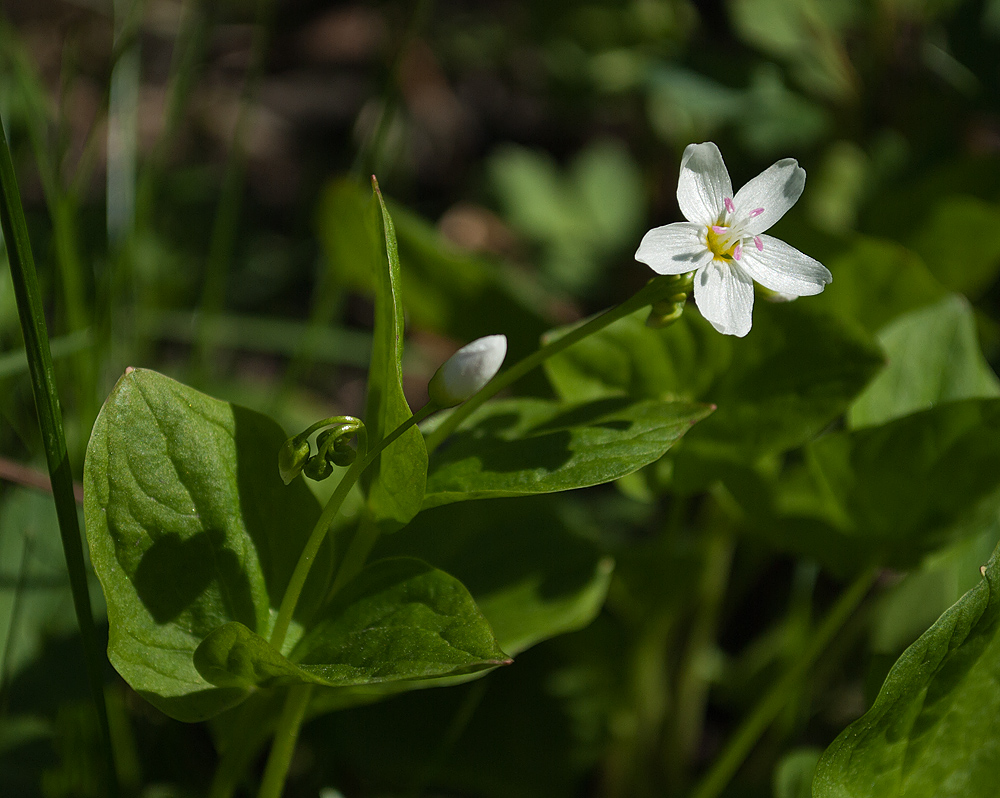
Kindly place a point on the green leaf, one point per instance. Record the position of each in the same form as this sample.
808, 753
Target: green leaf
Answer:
518, 447
397, 483
399, 619
774, 389
876, 280
960, 243
934, 357
788, 379
891, 494
530, 574
190, 527
932, 729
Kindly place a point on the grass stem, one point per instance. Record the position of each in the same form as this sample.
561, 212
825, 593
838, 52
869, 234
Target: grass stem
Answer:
36, 343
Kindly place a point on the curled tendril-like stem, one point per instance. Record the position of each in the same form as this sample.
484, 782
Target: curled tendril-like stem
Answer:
333, 447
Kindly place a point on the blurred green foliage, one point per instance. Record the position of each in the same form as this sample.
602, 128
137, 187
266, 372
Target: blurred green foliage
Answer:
523, 149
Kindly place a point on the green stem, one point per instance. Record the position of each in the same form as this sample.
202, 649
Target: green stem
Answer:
770, 706
36, 344
693, 681
240, 737
285, 737
301, 572
298, 580
656, 290
357, 553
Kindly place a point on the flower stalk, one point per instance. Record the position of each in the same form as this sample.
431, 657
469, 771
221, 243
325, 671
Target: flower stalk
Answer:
659, 289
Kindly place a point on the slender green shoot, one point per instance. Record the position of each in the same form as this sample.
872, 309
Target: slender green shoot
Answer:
285, 737
36, 343
770, 706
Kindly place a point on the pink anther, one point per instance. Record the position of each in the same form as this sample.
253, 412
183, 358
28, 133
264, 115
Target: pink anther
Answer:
718, 229
756, 212
729, 204
758, 243
738, 252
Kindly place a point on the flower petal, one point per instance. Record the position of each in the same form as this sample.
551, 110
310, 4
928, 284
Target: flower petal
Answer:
784, 269
724, 295
703, 184
674, 248
774, 190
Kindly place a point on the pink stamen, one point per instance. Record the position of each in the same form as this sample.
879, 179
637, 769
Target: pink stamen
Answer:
756, 212
718, 229
738, 252
729, 204
758, 243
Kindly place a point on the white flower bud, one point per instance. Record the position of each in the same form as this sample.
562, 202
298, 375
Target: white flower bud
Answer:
467, 371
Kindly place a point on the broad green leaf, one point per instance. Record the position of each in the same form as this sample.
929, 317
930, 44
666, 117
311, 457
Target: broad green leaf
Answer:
518, 447
932, 729
532, 576
399, 619
934, 357
396, 489
887, 495
190, 527
960, 243
876, 280
775, 389
794, 374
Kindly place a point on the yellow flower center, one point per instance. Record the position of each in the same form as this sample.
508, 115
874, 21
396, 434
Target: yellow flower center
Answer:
721, 245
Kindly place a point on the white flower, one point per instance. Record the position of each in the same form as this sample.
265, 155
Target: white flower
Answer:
721, 239
467, 371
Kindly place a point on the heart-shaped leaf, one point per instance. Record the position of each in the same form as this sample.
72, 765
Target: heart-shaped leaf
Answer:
519, 447
190, 527
399, 619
